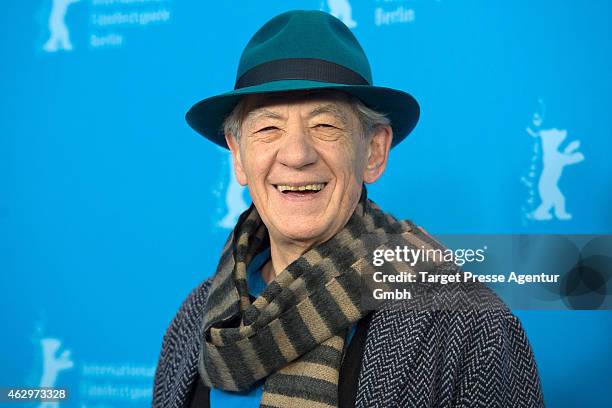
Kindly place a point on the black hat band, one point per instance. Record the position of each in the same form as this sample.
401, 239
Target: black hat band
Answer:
310, 69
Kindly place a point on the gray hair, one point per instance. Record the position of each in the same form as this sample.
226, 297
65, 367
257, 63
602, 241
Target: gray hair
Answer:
369, 119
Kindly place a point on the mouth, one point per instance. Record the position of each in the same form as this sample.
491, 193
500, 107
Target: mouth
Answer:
298, 190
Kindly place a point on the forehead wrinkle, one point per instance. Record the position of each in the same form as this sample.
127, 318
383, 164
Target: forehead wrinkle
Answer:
329, 108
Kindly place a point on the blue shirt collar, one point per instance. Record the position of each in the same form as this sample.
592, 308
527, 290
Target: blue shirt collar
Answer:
255, 281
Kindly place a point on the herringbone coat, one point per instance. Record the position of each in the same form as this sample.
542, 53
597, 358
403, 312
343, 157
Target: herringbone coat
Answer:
412, 358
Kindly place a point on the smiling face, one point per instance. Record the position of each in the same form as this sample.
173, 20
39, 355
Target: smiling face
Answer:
304, 158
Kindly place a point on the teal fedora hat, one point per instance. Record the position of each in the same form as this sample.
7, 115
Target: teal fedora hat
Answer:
304, 50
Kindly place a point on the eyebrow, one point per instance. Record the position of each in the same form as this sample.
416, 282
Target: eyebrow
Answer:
331, 109
319, 110
262, 112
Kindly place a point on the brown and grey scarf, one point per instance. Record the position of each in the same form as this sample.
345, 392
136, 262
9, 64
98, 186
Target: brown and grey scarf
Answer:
293, 335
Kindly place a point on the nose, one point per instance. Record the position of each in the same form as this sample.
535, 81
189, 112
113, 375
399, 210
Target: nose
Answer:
297, 150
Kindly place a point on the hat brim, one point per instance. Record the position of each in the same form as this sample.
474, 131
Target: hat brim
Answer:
206, 116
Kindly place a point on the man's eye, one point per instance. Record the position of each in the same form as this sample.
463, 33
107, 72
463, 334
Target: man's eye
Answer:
324, 125
267, 128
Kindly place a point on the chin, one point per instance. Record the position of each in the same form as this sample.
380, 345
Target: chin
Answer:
301, 230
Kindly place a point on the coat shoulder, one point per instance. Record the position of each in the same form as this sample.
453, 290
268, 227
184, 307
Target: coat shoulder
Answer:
177, 364
456, 346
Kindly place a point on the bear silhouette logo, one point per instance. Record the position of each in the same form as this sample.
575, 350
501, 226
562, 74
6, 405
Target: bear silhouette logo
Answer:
60, 37
234, 200
342, 9
53, 364
553, 163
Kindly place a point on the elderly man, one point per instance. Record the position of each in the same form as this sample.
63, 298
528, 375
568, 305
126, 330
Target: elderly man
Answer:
281, 322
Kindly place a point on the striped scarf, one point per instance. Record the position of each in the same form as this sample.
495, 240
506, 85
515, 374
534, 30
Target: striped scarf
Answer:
293, 334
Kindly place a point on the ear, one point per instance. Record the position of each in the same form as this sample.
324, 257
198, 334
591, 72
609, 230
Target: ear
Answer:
234, 147
378, 153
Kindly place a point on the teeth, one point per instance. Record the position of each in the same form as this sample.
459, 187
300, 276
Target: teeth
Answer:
310, 187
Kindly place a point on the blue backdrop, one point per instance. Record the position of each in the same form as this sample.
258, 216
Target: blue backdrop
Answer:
112, 209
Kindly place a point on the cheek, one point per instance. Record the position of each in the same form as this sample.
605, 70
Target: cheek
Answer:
358, 158
345, 163
257, 164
